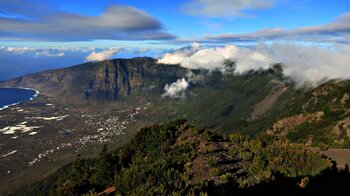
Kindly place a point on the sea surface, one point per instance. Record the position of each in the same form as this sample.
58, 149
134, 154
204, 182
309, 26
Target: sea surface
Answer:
13, 96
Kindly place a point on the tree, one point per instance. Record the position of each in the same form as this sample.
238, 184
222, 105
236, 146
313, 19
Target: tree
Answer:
77, 179
105, 168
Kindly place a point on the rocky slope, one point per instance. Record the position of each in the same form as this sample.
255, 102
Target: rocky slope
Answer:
322, 117
179, 159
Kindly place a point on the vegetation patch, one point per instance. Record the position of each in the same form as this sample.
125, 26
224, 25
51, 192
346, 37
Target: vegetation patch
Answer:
169, 159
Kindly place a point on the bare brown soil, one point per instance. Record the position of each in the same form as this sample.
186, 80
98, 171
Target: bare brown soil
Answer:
265, 104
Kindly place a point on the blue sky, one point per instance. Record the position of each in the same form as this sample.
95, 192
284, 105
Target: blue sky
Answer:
47, 34
288, 14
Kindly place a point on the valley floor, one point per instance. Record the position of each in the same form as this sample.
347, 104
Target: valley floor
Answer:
42, 135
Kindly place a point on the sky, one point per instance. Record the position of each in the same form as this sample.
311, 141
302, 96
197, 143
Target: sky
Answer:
39, 35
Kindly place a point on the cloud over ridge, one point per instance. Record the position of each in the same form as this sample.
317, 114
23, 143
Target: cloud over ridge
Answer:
309, 65
103, 55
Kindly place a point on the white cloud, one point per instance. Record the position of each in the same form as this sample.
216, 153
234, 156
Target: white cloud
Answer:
74, 49
143, 50
91, 48
225, 8
178, 56
54, 51
103, 55
176, 89
214, 58
18, 50
196, 45
310, 64
41, 21
50, 53
303, 64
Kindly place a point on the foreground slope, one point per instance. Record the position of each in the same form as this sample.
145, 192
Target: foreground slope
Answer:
179, 159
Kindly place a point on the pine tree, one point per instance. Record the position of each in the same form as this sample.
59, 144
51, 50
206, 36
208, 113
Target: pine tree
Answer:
105, 168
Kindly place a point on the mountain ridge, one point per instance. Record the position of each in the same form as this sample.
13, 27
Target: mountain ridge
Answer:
142, 80
249, 104
101, 81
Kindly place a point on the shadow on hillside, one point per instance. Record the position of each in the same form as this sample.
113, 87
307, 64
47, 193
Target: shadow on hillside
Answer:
331, 182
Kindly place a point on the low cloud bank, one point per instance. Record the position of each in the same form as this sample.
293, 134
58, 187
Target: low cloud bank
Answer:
312, 65
176, 89
309, 65
49, 53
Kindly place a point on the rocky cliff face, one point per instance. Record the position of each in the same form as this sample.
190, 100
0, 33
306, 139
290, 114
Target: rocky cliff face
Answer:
102, 81
114, 79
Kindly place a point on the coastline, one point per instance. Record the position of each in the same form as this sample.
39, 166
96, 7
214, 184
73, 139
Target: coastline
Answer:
23, 88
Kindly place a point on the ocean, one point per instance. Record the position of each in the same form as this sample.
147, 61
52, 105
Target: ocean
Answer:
13, 96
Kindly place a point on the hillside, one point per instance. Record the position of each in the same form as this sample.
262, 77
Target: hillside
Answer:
83, 107
223, 100
63, 121
259, 101
322, 117
178, 159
